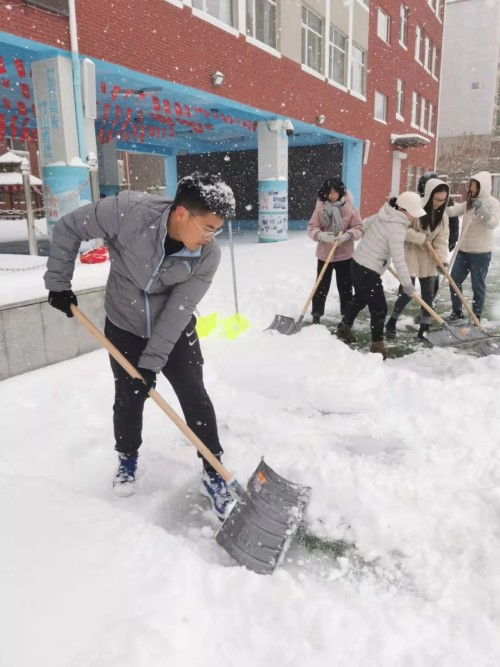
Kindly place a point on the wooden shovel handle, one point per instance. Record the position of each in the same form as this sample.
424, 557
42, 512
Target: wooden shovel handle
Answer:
320, 276
419, 300
446, 273
157, 398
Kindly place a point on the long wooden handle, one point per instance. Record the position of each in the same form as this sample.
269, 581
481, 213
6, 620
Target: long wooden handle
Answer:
320, 276
419, 299
157, 398
445, 272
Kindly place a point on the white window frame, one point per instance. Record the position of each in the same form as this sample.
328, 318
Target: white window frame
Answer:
380, 107
404, 13
335, 50
309, 34
383, 26
427, 53
418, 43
252, 10
358, 67
415, 109
423, 112
434, 61
220, 16
430, 120
400, 96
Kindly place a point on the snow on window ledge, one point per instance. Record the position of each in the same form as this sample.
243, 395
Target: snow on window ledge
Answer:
262, 45
214, 21
310, 70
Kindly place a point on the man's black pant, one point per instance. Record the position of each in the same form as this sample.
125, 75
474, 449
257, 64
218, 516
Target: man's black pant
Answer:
368, 291
344, 286
184, 371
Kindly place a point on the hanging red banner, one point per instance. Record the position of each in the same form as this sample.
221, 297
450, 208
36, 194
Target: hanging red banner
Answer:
6, 102
127, 136
102, 86
142, 132
187, 111
141, 97
166, 107
156, 103
2, 66
100, 135
109, 138
114, 92
134, 131
140, 116
25, 90
34, 134
6, 83
21, 72
128, 114
21, 107
105, 112
25, 133
151, 131
178, 109
118, 112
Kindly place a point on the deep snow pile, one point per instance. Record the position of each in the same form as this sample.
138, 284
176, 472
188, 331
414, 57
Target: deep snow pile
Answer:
402, 457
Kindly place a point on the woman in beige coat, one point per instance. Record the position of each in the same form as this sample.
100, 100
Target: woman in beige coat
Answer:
434, 228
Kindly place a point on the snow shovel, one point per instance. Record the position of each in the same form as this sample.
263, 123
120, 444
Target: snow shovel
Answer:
264, 519
448, 277
452, 260
451, 336
287, 325
205, 324
235, 324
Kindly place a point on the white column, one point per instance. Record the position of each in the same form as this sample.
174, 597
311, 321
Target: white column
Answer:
273, 181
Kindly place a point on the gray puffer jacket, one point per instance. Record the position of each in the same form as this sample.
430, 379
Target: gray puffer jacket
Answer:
147, 294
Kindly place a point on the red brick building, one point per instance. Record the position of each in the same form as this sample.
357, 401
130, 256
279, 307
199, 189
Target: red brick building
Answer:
364, 76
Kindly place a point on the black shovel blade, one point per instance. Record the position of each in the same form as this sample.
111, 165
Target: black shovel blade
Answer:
456, 334
260, 527
283, 324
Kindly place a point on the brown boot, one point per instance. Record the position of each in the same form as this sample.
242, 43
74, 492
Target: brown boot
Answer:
380, 348
344, 332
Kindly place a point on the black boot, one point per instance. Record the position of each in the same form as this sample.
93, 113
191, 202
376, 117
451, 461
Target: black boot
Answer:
423, 329
456, 315
316, 319
390, 328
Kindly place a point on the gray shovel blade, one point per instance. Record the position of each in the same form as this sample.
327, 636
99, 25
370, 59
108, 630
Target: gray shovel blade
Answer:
449, 336
260, 527
283, 324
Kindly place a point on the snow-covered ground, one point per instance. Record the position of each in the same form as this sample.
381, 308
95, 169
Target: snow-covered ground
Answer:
402, 456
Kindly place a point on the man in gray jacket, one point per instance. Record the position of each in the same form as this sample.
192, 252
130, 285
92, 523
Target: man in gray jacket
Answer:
163, 258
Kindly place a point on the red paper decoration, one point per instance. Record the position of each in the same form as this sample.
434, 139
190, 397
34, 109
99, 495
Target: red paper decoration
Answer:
21, 72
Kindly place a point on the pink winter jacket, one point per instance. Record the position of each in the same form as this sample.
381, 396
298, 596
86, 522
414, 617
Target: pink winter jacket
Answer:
351, 222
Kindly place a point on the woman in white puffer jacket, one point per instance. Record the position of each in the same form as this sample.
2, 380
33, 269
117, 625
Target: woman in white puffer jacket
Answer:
481, 214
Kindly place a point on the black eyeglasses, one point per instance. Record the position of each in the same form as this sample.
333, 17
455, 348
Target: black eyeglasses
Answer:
206, 233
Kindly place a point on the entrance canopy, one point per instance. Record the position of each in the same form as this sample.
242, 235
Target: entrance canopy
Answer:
142, 113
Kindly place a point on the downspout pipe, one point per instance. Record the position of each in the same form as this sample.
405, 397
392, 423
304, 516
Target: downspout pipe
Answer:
77, 80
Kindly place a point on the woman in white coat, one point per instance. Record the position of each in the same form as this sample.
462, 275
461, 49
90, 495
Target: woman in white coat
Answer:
433, 227
481, 214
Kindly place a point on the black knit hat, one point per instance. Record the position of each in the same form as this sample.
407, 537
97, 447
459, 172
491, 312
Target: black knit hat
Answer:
334, 183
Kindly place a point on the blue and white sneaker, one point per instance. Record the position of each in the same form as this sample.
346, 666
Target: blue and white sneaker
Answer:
124, 479
215, 488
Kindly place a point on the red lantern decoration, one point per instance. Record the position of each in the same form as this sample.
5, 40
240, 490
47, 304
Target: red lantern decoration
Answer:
2, 66
25, 90
21, 72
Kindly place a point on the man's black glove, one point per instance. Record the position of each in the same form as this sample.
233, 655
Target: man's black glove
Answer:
63, 300
142, 388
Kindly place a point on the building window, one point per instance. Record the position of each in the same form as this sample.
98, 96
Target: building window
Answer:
400, 92
219, 9
434, 65
358, 70
423, 111
403, 25
418, 44
55, 6
312, 40
430, 122
261, 21
380, 111
337, 70
415, 109
410, 178
427, 54
383, 25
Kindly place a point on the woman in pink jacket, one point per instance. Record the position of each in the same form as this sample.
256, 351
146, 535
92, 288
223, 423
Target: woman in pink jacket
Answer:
334, 218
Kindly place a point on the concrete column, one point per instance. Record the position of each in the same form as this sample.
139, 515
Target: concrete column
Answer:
273, 181
65, 176
170, 176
